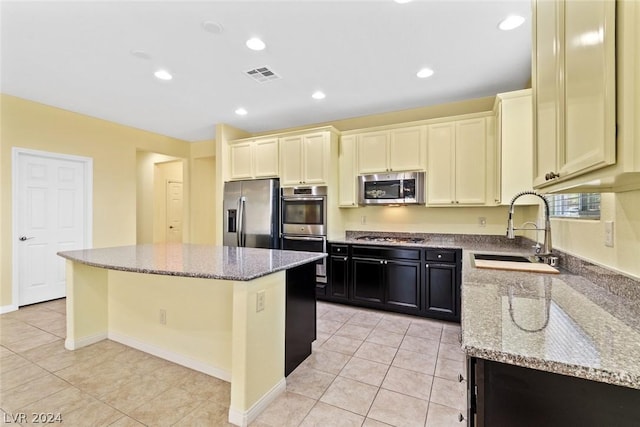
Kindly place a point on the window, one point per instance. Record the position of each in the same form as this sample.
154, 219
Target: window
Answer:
576, 205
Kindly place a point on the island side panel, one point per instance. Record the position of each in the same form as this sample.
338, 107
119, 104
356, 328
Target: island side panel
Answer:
194, 329
86, 301
258, 346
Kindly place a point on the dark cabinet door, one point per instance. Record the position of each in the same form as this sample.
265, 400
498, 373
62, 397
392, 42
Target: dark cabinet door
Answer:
402, 283
441, 290
339, 276
368, 280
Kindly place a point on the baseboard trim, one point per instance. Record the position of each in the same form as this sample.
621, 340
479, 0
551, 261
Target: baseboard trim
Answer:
171, 356
70, 344
8, 308
243, 419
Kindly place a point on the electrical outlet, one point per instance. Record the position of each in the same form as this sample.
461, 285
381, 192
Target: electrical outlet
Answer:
260, 296
363, 220
482, 221
608, 233
163, 316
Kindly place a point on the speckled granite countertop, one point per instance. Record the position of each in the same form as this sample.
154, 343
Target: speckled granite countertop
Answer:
204, 261
564, 323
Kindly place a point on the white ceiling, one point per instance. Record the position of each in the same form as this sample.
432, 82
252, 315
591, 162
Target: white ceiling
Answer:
363, 54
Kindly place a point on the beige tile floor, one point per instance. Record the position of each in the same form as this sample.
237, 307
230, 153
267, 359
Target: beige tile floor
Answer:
368, 368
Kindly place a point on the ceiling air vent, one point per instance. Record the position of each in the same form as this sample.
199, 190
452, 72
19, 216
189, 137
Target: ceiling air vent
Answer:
262, 74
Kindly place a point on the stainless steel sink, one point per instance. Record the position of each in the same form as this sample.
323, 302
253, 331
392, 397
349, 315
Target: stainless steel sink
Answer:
495, 257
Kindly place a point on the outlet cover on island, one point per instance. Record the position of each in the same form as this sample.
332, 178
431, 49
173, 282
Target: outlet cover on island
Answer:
608, 233
260, 296
363, 219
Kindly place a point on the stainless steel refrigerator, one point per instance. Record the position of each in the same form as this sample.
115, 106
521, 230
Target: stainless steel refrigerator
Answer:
251, 212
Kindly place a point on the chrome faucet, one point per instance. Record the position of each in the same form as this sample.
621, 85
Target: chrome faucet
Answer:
546, 246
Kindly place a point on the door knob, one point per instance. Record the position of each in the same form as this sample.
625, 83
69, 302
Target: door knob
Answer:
23, 238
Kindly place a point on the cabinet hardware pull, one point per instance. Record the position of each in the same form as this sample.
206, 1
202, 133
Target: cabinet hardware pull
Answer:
346, 258
439, 255
381, 262
426, 266
460, 417
460, 378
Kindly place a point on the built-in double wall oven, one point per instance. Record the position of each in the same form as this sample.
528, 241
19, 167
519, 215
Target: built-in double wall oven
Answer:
303, 218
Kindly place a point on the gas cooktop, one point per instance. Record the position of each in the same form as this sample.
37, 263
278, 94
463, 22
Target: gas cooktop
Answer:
390, 239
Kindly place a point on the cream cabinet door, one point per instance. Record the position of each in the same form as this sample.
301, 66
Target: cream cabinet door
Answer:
372, 152
406, 149
266, 158
241, 161
441, 164
348, 194
589, 86
546, 89
471, 162
291, 160
314, 154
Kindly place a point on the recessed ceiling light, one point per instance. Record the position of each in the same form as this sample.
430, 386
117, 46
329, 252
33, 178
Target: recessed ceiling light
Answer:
163, 75
241, 111
402, 1
318, 95
212, 27
255, 44
511, 22
424, 73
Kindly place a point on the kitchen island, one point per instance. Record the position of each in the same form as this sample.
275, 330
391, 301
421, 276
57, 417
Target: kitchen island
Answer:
217, 309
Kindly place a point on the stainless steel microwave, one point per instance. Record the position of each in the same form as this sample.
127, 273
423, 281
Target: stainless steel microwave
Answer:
392, 189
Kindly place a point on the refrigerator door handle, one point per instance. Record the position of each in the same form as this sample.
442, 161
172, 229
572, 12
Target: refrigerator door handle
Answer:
241, 221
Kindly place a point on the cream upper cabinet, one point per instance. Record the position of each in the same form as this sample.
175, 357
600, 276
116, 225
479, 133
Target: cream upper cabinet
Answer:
457, 163
514, 140
574, 88
394, 150
347, 177
253, 159
304, 159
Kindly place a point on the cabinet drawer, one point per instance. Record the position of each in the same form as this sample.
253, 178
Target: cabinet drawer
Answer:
441, 255
385, 252
339, 250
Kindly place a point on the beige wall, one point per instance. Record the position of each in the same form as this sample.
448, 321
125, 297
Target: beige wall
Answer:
113, 149
203, 183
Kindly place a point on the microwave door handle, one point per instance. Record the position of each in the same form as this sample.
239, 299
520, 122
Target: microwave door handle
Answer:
401, 189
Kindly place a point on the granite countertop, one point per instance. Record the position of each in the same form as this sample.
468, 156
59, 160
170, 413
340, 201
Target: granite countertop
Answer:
203, 261
563, 323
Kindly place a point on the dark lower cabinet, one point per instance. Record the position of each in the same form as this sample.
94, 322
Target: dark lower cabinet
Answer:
440, 286
442, 283
338, 276
402, 284
368, 280
419, 281
502, 395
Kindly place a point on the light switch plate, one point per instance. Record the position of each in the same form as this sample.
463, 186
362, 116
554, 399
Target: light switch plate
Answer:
608, 233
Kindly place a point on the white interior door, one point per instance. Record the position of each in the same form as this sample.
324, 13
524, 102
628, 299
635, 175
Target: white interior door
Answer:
52, 211
174, 212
